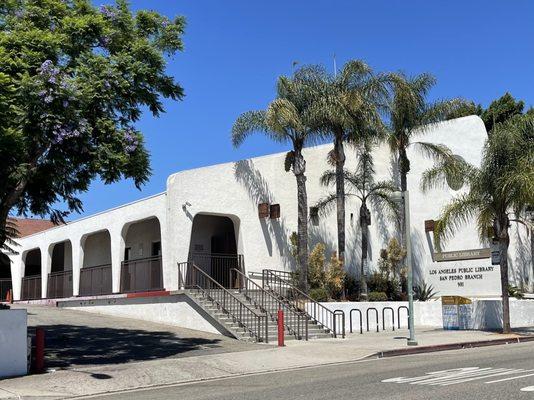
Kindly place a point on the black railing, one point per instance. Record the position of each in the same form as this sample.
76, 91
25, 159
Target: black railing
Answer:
278, 283
5, 286
141, 275
218, 266
255, 323
295, 322
96, 281
59, 285
31, 287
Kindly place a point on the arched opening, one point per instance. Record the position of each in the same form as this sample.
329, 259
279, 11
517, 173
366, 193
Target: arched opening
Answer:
5, 276
60, 276
95, 274
213, 247
31, 282
141, 268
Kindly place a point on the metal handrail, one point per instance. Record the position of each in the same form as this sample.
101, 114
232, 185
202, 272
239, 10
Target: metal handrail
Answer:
227, 302
361, 319
137, 275
342, 314
31, 287
296, 322
407, 315
367, 318
320, 314
58, 284
392, 318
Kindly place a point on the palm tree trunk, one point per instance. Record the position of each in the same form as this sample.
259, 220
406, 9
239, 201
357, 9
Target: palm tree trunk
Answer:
299, 168
365, 244
340, 197
501, 229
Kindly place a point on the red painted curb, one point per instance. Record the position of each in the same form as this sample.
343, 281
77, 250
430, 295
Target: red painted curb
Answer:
451, 346
149, 294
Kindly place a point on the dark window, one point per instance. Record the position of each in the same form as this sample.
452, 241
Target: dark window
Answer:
127, 253
156, 248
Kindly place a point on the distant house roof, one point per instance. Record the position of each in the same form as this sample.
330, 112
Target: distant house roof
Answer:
29, 226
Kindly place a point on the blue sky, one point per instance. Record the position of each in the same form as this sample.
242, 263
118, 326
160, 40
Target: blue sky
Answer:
235, 49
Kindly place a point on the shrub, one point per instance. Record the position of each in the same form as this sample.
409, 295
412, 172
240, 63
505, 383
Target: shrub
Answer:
335, 277
377, 296
319, 294
424, 292
514, 291
316, 270
352, 287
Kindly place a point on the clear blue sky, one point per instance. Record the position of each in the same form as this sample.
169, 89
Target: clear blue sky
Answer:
234, 51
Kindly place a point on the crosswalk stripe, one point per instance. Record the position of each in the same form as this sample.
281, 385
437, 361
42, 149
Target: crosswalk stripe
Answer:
512, 378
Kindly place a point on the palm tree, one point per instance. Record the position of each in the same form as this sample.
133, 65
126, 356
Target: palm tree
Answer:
287, 119
349, 104
361, 184
410, 115
498, 191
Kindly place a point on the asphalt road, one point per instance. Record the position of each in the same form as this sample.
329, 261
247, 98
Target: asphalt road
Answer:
498, 372
77, 338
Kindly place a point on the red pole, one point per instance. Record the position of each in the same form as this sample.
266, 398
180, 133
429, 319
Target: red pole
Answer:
39, 349
280, 328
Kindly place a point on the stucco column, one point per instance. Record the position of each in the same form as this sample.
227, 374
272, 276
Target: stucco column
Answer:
117, 250
46, 268
17, 272
77, 254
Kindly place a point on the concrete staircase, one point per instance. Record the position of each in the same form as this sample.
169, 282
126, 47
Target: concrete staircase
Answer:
238, 330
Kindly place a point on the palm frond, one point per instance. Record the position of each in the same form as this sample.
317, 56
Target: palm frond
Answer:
327, 204
246, 124
455, 214
454, 172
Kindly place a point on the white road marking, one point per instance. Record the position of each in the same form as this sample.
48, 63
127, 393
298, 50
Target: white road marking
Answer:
528, 389
461, 375
514, 377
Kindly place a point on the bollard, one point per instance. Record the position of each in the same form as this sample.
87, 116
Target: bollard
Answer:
280, 328
39, 365
9, 296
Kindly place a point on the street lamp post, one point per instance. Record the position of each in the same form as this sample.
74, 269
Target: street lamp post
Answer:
404, 198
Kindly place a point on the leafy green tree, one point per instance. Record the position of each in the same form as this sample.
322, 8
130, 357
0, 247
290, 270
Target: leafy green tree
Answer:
498, 192
287, 119
73, 81
361, 184
348, 111
501, 110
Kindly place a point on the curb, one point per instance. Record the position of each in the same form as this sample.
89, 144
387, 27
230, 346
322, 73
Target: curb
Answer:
451, 346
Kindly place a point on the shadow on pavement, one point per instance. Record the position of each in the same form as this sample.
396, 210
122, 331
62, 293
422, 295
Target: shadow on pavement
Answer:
68, 345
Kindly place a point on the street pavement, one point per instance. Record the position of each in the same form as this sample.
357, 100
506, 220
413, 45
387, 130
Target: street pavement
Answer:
499, 372
108, 354
78, 338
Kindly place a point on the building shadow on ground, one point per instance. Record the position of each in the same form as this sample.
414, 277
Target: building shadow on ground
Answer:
68, 345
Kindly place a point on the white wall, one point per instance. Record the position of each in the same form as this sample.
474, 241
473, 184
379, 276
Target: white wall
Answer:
177, 314
113, 220
235, 190
140, 236
486, 314
13, 343
97, 249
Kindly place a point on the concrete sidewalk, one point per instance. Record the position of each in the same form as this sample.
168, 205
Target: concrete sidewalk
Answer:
81, 381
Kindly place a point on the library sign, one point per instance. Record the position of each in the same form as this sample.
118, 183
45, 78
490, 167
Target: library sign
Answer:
469, 278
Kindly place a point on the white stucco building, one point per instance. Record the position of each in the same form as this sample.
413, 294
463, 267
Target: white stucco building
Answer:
214, 210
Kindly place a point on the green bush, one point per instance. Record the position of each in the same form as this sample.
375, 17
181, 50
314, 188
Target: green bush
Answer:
319, 294
378, 282
377, 296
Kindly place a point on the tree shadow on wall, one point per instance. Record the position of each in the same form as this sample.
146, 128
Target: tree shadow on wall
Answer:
68, 345
258, 190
